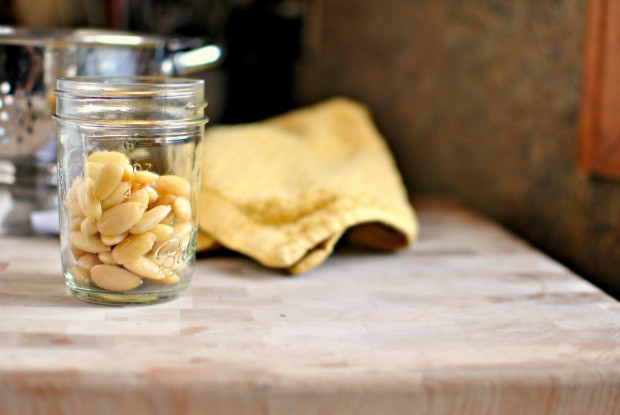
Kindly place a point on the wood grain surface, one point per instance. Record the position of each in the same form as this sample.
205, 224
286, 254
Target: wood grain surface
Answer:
469, 321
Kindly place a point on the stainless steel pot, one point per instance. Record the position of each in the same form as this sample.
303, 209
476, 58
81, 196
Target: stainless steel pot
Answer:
30, 63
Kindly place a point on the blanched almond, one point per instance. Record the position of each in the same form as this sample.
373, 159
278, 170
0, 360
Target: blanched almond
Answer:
133, 247
120, 218
167, 253
108, 156
162, 232
173, 279
172, 275
80, 275
77, 253
107, 179
88, 226
77, 215
144, 177
87, 201
118, 195
76, 223
107, 258
88, 243
140, 196
113, 239
165, 200
164, 250
127, 173
182, 208
136, 186
92, 169
113, 278
72, 197
87, 261
82, 194
145, 268
168, 220
185, 240
181, 229
150, 219
180, 235
173, 184
152, 194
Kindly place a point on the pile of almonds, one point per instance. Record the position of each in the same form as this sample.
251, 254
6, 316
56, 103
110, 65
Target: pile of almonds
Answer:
127, 226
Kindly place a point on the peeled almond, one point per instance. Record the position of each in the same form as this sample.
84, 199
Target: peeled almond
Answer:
173, 184
150, 219
181, 229
165, 200
140, 196
152, 194
80, 276
120, 218
79, 216
174, 244
113, 278
87, 200
113, 239
77, 253
87, 261
88, 243
185, 241
107, 179
173, 279
144, 177
118, 195
92, 169
127, 173
168, 220
107, 258
134, 247
88, 226
76, 223
167, 253
162, 232
145, 268
182, 208
72, 196
108, 156
81, 195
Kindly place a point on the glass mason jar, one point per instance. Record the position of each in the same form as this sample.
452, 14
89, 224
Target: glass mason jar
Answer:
129, 161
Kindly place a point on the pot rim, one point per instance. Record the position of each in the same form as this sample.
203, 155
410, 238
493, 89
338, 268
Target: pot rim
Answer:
71, 37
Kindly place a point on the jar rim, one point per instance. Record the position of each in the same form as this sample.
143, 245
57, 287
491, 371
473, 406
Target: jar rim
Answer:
93, 86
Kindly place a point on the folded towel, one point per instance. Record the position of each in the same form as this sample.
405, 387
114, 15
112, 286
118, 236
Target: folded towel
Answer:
284, 191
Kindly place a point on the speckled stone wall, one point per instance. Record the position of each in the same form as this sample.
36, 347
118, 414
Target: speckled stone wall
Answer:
479, 100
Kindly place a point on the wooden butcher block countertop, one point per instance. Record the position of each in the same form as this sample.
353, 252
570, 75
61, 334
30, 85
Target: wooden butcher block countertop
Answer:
470, 320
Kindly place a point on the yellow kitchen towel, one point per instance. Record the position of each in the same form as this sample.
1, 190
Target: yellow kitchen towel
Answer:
283, 191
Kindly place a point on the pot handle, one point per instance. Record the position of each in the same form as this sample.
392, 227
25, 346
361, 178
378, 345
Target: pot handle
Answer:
196, 60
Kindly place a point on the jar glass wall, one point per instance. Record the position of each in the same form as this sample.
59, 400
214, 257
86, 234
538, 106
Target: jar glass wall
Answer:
129, 161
